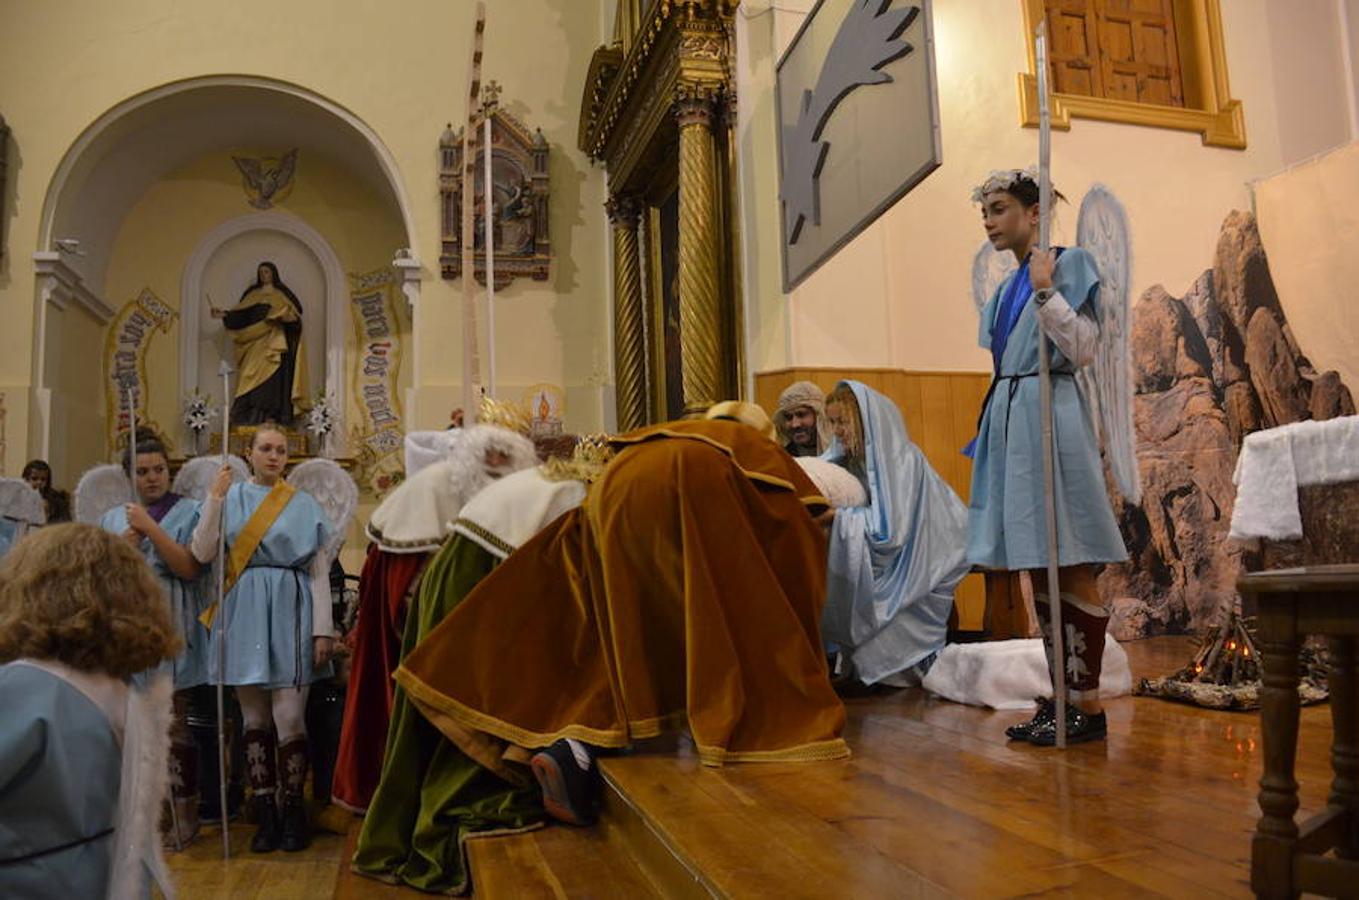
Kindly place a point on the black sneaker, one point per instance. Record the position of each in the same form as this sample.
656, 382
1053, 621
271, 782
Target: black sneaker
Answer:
1080, 727
1047, 711
570, 793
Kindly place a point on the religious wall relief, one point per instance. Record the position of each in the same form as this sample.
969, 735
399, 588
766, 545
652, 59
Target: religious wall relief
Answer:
519, 198
267, 180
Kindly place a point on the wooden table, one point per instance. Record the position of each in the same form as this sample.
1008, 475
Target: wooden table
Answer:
1294, 603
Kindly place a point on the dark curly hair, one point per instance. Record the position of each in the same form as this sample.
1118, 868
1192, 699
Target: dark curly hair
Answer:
82, 596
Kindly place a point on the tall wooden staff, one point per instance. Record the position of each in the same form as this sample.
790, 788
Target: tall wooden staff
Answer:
487, 211
131, 438
471, 362
1045, 389
225, 371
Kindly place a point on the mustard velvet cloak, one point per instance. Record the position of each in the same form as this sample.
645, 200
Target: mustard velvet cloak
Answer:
686, 591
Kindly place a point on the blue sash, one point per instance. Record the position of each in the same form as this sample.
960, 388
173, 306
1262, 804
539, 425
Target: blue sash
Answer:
1011, 304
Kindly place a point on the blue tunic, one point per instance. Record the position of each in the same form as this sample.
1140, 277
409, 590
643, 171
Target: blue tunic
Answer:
266, 618
1006, 524
187, 597
60, 770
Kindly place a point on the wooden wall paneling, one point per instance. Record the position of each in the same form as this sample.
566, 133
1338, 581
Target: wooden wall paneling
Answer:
940, 411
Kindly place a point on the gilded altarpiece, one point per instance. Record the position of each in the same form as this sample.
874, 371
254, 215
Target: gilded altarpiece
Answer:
659, 110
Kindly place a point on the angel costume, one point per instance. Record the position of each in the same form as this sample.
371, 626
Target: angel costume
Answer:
178, 516
281, 599
432, 796
21, 508
82, 763
409, 525
262, 636
1006, 522
895, 561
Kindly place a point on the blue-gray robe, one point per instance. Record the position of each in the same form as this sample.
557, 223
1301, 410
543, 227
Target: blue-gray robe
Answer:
1006, 517
187, 597
60, 770
266, 617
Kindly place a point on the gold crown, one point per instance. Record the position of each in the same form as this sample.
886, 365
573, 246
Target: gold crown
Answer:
587, 462
505, 414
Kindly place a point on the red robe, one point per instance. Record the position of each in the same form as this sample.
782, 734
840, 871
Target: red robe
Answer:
383, 587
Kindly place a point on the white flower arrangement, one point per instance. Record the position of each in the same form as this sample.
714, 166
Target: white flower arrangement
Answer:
198, 412
321, 419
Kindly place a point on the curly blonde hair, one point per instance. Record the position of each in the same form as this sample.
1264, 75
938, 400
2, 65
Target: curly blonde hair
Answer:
82, 596
843, 395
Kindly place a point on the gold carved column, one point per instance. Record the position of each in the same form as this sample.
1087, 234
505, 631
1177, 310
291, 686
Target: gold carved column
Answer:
701, 332
629, 341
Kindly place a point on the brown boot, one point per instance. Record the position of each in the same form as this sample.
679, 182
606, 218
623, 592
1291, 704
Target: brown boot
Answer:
183, 817
294, 758
1084, 626
262, 770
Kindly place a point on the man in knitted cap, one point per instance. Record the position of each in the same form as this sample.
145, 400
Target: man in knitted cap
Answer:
801, 419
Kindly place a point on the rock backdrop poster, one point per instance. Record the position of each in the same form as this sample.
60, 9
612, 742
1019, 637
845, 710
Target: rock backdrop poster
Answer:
1209, 367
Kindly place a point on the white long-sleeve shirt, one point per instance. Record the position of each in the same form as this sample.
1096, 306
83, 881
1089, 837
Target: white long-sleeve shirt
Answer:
1076, 334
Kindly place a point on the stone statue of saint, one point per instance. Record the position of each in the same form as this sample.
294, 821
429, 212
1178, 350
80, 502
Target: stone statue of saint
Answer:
271, 370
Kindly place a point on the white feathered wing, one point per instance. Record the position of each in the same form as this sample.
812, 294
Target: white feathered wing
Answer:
331, 487
1102, 231
18, 501
99, 490
197, 475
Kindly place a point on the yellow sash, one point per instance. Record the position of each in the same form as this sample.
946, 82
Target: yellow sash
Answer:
248, 541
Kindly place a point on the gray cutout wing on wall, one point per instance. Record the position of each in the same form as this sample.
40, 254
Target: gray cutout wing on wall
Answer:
857, 122
866, 41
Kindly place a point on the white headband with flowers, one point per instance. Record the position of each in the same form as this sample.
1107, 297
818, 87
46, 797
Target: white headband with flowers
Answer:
1002, 180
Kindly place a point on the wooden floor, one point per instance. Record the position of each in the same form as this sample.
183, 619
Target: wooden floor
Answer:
934, 802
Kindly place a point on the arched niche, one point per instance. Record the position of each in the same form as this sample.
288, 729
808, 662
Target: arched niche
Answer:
140, 140
223, 265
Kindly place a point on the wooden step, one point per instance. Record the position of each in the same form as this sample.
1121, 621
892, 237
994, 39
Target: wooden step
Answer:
698, 832
558, 861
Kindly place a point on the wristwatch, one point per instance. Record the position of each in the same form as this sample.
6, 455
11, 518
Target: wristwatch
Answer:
1042, 295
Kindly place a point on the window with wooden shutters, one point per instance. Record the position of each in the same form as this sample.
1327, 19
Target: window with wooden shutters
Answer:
1146, 62
1119, 49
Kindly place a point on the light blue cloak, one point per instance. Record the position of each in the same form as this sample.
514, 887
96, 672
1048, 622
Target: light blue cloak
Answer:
895, 563
1006, 526
266, 617
187, 597
60, 770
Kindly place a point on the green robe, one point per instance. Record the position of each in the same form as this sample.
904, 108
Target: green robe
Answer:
432, 796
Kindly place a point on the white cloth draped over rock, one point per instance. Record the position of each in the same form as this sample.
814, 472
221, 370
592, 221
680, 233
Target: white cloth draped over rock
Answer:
1011, 674
1274, 463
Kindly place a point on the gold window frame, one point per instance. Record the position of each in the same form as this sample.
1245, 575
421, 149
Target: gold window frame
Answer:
1209, 106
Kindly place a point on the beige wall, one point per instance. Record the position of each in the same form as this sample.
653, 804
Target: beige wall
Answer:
401, 69
1310, 226
74, 361
898, 295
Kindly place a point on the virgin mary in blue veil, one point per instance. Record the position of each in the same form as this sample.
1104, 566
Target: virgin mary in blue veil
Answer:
895, 563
